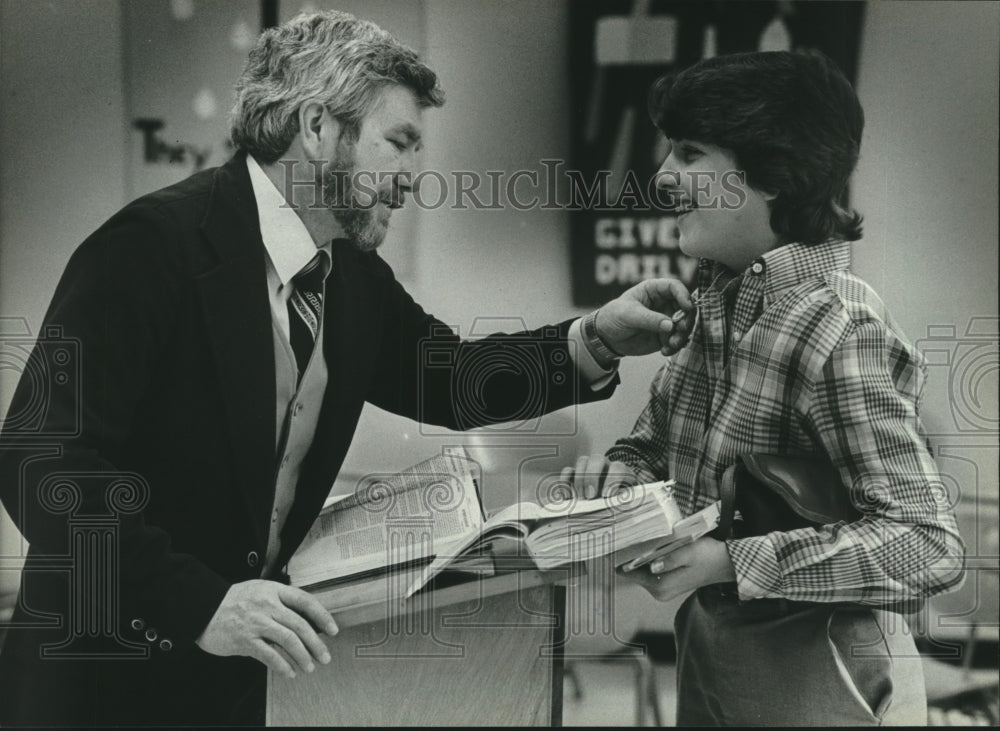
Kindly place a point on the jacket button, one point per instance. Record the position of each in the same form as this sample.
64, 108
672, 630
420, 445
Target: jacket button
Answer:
138, 625
253, 559
166, 645
151, 634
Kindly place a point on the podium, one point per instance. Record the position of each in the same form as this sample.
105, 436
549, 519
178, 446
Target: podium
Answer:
485, 651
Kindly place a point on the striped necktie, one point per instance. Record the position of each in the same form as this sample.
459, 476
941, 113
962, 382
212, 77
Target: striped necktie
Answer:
305, 308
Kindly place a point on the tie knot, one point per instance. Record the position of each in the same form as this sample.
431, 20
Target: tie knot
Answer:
312, 274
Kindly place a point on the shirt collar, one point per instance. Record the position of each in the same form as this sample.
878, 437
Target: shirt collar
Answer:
790, 265
288, 242
781, 268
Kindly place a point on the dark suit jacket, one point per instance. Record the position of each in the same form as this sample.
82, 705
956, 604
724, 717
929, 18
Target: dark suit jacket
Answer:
155, 374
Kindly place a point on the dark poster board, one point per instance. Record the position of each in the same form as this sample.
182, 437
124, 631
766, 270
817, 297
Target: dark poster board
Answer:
617, 49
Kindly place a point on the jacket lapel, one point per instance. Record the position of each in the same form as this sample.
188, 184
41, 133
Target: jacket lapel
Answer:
238, 318
351, 339
352, 311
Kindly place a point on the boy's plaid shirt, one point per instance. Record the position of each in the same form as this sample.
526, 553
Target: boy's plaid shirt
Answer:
796, 356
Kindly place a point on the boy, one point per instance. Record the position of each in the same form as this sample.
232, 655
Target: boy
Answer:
790, 355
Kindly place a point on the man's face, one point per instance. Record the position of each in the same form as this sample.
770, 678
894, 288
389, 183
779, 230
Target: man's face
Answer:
367, 177
721, 217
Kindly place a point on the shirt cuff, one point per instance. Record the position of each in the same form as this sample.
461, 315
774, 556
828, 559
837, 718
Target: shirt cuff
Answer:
758, 575
590, 370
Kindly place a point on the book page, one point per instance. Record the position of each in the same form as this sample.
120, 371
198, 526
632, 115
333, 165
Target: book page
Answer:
390, 520
686, 531
530, 520
526, 513
645, 513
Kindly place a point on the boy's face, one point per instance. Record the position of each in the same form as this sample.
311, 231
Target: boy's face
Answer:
721, 217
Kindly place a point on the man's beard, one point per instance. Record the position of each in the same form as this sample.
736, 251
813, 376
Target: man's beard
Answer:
360, 223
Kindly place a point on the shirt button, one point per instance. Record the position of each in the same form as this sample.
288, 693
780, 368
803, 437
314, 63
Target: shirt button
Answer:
757, 267
151, 635
166, 645
298, 407
252, 559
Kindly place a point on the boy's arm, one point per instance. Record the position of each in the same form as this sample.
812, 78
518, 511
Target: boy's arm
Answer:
645, 451
906, 546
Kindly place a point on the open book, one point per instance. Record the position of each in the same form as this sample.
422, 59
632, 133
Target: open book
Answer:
392, 521
429, 518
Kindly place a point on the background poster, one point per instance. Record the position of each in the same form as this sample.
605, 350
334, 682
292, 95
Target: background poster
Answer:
621, 235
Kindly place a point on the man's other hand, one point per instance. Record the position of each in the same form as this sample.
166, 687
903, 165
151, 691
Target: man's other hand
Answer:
647, 318
258, 618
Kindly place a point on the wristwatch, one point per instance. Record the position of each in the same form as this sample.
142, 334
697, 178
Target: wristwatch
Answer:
604, 355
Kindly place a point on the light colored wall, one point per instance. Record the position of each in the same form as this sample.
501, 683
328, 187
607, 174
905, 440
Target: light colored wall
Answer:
927, 182
173, 66
62, 132
927, 178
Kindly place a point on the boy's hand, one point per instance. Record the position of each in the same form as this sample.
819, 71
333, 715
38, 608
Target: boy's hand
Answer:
595, 476
703, 562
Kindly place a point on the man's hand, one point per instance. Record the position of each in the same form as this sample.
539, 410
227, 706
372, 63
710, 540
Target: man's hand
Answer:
257, 618
595, 475
642, 320
703, 562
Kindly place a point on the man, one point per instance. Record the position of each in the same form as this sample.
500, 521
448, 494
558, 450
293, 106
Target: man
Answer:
229, 330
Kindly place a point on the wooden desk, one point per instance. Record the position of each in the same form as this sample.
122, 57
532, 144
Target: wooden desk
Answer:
486, 652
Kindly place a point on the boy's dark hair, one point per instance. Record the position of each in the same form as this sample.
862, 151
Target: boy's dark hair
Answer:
794, 123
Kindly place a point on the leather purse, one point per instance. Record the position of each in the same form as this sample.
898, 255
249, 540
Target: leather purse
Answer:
778, 493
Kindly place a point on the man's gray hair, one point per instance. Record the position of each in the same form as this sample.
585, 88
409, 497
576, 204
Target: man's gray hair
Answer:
329, 56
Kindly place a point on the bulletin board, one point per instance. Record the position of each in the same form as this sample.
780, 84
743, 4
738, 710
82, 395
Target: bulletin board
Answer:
618, 48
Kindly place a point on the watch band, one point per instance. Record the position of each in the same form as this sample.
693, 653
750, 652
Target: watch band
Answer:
604, 355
